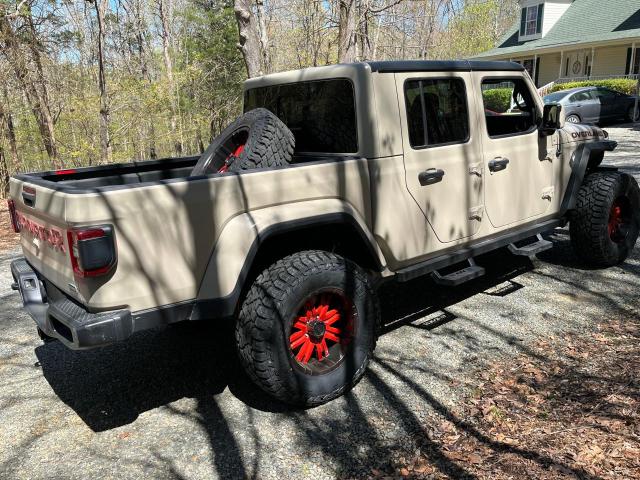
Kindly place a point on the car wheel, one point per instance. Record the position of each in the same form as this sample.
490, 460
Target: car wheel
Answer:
605, 223
307, 328
632, 116
573, 118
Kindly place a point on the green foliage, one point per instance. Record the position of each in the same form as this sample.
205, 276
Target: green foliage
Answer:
497, 99
623, 85
473, 30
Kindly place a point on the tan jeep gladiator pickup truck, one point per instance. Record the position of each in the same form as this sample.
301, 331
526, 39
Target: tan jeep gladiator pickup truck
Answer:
335, 178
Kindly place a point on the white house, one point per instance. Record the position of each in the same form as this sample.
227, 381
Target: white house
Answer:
561, 40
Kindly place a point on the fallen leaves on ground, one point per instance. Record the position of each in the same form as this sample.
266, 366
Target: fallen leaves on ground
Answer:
8, 238
569, 408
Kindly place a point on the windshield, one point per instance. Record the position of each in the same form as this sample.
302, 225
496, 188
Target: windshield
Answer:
554, 97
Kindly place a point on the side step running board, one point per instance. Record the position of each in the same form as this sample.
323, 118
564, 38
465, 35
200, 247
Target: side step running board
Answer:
532, 248
459, 276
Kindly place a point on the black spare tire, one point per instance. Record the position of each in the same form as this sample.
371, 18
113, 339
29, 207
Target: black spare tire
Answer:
257, 139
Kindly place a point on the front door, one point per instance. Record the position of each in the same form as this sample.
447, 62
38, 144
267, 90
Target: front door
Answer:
517, 160
442, 157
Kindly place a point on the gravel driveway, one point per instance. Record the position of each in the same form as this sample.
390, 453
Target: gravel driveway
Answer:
173, 403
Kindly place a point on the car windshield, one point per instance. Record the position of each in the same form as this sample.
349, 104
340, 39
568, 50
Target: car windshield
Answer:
554, 97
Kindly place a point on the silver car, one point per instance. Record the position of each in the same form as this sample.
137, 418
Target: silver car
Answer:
593, 104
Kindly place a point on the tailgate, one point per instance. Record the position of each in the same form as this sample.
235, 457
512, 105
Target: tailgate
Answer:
43, 232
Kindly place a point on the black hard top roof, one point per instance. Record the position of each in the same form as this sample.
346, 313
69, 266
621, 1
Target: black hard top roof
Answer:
443, 66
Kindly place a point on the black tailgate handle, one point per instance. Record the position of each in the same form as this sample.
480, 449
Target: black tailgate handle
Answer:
29, 198
431, 176
498, 164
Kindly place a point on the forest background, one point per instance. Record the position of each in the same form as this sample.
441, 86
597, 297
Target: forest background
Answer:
89, 82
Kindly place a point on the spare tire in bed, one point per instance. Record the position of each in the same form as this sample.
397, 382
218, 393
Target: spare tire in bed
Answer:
257, 139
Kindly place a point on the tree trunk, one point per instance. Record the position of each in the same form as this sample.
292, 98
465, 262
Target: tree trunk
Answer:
141, 32
249, 38
165, 16
4, 173
101, 7
6, 120
347, 31
264, 37
38, 102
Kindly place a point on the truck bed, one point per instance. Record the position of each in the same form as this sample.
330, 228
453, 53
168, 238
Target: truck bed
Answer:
108, 177
120, 174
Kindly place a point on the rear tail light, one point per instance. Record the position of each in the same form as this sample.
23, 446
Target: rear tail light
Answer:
92, 250
14, 216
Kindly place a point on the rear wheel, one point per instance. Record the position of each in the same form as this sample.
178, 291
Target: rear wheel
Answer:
573, 118
606, 221
307, 328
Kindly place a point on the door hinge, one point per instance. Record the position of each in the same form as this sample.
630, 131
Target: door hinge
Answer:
476, 213
475, 169
547, 193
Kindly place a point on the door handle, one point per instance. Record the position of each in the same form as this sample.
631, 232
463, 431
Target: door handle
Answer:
498, 164
431, 176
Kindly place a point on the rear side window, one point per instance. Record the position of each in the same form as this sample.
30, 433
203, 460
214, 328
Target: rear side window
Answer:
581, 96
321, 114
509, 108
436, 112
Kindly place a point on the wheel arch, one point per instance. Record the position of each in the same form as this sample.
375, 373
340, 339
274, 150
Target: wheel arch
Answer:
582, 162
574, 114
341, 232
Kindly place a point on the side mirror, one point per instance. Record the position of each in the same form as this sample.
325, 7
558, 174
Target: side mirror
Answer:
552, 119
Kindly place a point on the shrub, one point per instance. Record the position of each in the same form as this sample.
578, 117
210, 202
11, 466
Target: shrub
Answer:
623, 85
497, 99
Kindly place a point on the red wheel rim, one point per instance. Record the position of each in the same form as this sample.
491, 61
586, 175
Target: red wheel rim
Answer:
235, 145
231, 158
619, 218
322, 331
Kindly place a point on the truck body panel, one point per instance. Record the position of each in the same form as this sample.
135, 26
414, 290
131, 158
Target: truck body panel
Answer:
183, 239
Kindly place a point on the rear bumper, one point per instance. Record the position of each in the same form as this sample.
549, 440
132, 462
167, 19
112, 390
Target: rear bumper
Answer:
60, 317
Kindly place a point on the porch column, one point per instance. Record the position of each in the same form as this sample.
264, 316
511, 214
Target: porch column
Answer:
561, 64
633, 57
593, 61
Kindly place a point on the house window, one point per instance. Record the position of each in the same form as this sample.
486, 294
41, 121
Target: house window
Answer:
587, 66
633, 64
531, 20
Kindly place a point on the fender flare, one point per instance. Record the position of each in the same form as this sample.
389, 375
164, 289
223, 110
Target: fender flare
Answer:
579, 164
214, 301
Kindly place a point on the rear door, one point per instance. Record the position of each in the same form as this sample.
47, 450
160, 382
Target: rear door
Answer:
609, 102
518, 164
442, 158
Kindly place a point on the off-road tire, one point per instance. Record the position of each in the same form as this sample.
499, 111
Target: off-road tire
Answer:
270, 307
267, 143
589, 222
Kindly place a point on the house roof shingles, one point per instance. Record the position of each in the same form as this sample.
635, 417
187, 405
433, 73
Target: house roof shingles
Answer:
585, 21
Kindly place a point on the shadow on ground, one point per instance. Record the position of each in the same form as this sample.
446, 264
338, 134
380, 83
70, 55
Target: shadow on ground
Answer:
112, 386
